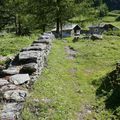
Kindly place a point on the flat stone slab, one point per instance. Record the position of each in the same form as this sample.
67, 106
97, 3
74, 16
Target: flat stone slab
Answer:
35, 48
39, 44
29, 68
19, 79
50, 35
30, 55
11, 111
44, 41
11, 71
16, 95
3, 82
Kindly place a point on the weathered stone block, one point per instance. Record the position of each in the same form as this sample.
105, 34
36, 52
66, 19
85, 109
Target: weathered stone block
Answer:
3, 82
11, 71
20, 79
35, 48
8, 87
30, 56
11, 111
29, 68
16, 95
44, 41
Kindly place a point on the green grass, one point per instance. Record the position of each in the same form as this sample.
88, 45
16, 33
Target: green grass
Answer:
11, 44
67, 84
111, 18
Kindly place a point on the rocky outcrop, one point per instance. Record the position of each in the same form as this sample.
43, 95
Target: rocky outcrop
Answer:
21, 71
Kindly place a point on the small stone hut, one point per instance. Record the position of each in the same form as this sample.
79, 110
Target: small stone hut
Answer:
96, 29
99, 29
69, 30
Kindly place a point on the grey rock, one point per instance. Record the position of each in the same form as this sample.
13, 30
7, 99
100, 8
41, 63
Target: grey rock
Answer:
46, 37
30, 55
96, 36
19, 78
35, 48
44, 41
42, 46
11, 111
16, 95
50, 34
8, 87
3, 82
29, 68
11, 71
39, 44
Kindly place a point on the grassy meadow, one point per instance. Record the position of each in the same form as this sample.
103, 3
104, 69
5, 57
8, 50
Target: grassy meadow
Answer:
65, 90
68, 89
11, 44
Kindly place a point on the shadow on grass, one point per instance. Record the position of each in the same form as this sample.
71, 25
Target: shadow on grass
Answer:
110, 89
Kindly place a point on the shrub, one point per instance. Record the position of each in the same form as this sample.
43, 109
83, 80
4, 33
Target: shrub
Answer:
118, 18
115, 33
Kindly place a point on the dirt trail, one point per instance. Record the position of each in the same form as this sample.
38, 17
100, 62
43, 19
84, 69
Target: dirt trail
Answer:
71, 52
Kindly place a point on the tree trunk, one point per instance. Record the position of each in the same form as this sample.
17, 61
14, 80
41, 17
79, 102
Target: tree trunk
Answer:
16, 28
58, 18
43, 28
57, 27
19, 27
61, 29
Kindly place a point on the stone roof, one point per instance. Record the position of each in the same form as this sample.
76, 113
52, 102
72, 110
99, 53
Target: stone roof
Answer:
68, 27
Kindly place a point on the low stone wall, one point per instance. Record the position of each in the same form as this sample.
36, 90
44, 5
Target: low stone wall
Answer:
22, 71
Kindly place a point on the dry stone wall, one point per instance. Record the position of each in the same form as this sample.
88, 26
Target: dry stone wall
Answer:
22, 71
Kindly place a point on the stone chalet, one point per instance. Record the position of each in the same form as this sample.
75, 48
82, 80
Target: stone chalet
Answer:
69, 30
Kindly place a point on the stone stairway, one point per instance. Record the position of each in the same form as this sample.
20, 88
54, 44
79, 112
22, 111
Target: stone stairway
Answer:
22, 71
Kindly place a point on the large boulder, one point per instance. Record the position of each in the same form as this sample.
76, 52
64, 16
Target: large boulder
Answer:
19, 79
11, 111
3, 82
16, 95
29, 68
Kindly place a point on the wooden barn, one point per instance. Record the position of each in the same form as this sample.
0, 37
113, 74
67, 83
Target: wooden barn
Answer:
69, 30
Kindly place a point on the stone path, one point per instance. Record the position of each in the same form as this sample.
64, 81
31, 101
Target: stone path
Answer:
71, 52
23, 69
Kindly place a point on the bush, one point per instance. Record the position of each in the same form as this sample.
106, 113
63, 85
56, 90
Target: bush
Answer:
114, 33
118, 18
103, 10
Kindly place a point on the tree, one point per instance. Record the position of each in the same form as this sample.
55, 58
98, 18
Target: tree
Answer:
64, 10
17, 11
103, 10
42, 11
